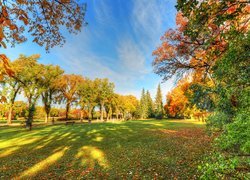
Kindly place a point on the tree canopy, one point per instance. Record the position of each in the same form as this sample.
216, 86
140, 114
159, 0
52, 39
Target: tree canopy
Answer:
211, 46
43, 20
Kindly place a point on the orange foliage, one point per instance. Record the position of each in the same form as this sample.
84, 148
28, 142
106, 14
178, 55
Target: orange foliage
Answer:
196, 44
6, 66
41, 19
177, 102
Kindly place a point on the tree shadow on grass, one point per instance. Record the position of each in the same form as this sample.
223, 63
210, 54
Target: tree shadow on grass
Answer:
89, 150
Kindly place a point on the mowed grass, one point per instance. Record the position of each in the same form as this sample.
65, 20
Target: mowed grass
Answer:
142, 149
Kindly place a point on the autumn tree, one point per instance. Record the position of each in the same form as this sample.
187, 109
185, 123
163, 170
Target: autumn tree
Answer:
212, 41
48, 82
159, 111
201, 37
115, 106
119, 106
130, 105
30, 77
109, 106
11, 87
88, 93
20, 109
177, 103
105, 91
68, 86
5, 71
43, 20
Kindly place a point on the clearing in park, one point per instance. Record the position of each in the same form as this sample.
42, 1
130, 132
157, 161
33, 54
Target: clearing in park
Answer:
134, 149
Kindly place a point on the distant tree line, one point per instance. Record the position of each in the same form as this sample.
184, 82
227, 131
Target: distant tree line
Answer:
52, 86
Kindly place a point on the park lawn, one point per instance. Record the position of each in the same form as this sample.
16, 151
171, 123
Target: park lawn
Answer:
142, 149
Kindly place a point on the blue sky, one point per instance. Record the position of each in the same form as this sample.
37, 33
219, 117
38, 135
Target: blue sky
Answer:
117, 44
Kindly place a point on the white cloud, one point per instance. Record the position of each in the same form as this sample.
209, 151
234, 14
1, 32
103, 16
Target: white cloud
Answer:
131, 57
103, 13
78, 58
129, 62
148, 19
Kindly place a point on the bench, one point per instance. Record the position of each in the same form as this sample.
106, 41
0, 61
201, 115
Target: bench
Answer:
69, 122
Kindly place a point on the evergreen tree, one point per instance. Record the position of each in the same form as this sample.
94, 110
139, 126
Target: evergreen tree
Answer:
150, 104
159, 104
143, 111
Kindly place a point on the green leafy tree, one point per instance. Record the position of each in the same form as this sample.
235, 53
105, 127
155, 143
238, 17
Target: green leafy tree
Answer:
30, 77
232, 73
110, 106
143, 108
20, 109
115, 105
48, 82
131, 104
105, 91
87, 92
43, 20
159, 111
150, 105
211, 40
127, 106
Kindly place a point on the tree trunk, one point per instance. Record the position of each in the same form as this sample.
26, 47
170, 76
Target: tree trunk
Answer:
90, 115
67, 110
53, 121
30, 116
11, 106
81, 115
102, 111
10, 114
107, 114
47, 111
117, 115
122, 116
47, 116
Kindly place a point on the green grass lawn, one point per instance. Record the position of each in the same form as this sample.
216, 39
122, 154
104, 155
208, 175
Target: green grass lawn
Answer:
143, 149
4, 121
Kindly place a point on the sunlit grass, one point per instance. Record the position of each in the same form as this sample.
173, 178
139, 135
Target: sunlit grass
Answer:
90, 155
44, 164
8, 151
134, 149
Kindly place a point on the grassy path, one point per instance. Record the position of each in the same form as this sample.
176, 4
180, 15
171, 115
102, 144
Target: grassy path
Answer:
130, 150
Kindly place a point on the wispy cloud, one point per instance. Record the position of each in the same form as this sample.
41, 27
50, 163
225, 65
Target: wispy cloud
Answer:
103, 13
130, 41
146, 18
78, 58
149, 20
131, 56
117, 44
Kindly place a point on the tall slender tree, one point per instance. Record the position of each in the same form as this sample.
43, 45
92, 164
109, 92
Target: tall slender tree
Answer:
159, 111
150, 105
143, 110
